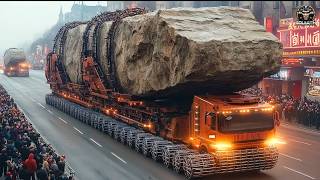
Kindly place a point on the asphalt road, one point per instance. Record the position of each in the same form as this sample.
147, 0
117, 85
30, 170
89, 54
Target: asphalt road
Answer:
94, 155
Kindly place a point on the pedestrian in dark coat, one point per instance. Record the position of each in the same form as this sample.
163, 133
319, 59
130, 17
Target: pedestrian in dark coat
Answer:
42, 174
61, 164
3, 161
23, 174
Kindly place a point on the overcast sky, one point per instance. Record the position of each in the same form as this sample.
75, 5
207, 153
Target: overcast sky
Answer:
24, 21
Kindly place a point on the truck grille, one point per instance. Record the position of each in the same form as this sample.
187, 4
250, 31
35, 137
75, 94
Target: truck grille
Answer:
246, 159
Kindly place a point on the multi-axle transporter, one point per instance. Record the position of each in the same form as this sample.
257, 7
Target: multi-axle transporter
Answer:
199, 136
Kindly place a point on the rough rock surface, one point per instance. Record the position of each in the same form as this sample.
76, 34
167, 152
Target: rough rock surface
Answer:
193, 50
72, 53
182, 51
14, 55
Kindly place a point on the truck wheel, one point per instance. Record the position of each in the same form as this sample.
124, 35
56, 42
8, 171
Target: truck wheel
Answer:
203, 150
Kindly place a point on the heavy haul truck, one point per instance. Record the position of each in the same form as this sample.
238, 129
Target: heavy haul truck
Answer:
15, 63
206, 135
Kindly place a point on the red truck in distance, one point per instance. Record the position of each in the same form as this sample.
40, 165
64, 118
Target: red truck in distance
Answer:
15, 63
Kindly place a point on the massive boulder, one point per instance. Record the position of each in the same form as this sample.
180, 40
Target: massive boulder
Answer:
186, 51
14, 55
182, 52
72, 53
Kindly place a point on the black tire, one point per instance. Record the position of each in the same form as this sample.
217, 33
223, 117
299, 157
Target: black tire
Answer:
203, 150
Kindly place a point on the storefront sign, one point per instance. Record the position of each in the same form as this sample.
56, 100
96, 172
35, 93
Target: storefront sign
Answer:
299, 40
312, 71
290, 24
292, 62
316, 74
314, 84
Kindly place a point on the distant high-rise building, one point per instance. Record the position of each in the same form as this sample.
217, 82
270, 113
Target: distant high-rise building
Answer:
61, 19
82, 12
115, 5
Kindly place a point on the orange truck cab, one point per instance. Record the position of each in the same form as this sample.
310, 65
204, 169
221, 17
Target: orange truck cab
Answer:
231, 122
237, 130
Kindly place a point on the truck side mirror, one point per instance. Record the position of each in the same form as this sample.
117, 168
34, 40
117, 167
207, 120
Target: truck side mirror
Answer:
213, 122
210, 119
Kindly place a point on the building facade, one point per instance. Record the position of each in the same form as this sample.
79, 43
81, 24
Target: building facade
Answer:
300, 71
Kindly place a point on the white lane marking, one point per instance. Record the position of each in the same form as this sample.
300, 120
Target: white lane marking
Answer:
299, 172
96, 142
41, 105
62, 120
297, 159
300, 142
293, 140
118, 158
33, 100
77, 130
49, 111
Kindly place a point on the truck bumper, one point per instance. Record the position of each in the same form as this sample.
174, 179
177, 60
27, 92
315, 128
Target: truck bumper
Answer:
199, 165
17, 73
23, 74
246, 159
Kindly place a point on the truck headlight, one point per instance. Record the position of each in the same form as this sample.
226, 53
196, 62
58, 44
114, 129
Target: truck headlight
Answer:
274, 141
221, 146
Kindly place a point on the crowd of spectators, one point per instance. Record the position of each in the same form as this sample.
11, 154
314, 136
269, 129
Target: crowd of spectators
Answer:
302, 111
24, 154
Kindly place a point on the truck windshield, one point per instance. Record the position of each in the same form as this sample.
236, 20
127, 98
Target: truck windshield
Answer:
245, 122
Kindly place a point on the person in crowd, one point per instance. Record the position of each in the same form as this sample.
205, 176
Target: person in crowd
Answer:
23, 153
31, 166
61, 164
42, 174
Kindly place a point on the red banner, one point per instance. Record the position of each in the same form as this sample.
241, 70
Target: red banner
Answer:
268, 23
